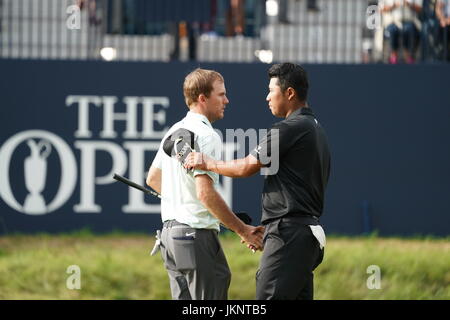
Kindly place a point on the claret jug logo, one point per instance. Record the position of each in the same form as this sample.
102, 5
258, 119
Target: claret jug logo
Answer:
105, 141
40, 144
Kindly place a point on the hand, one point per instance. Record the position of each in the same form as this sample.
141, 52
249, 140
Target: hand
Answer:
253, 237
199, 161
444, 22
252, 247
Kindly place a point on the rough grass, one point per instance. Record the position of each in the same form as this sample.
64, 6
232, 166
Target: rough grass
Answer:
118, 266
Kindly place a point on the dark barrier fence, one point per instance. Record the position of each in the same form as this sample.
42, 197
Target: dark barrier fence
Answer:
66, 127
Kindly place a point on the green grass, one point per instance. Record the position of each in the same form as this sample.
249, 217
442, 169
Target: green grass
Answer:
118, 266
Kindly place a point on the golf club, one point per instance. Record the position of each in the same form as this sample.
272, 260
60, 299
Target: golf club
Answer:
241, 215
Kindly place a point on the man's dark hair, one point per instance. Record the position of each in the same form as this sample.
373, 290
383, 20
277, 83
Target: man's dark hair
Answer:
291, 75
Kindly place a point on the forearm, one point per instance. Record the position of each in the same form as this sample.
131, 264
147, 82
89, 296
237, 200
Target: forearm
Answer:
212, 201
156, 187
217, 206
439, 12
385, 8
239, 168
154, 179
415, 7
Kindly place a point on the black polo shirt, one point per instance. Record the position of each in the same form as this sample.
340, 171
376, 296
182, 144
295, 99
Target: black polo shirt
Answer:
298, 187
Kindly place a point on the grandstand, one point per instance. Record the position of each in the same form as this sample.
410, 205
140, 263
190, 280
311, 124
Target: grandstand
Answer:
337, 33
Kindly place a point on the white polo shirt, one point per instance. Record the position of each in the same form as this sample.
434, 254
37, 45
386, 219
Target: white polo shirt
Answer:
178, 194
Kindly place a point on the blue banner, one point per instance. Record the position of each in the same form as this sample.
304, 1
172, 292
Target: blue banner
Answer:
66, 127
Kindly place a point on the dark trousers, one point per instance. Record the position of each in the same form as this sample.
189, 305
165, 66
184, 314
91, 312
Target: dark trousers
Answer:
192, 41
291, 253
408, 35
444, 38
428, 39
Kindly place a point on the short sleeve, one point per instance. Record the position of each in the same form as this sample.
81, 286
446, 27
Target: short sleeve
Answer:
157, 161
274, 144
211, 147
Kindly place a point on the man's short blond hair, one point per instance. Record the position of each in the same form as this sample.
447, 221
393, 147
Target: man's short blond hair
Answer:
199, 81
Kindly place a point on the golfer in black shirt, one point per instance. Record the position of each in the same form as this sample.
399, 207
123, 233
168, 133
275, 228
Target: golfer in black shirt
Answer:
296, 158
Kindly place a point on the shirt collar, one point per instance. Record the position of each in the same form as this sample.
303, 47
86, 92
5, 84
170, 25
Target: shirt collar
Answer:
301, 111
198, 117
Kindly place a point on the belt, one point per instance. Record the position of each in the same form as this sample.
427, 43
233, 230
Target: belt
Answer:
172, 223
298, 218
168, 224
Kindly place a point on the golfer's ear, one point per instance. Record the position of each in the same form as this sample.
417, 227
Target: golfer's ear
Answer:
291, 93
201, 98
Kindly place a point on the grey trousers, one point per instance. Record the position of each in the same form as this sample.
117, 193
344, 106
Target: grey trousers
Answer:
195, 262
291, 253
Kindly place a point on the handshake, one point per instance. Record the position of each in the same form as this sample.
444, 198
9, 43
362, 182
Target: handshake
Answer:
249, 234
252, 236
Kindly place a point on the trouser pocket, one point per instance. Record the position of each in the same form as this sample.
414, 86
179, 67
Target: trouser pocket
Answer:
183, 245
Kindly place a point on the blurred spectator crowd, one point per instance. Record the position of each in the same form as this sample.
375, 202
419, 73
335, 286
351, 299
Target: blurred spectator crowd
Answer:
411, 30
180, 18
416, 29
